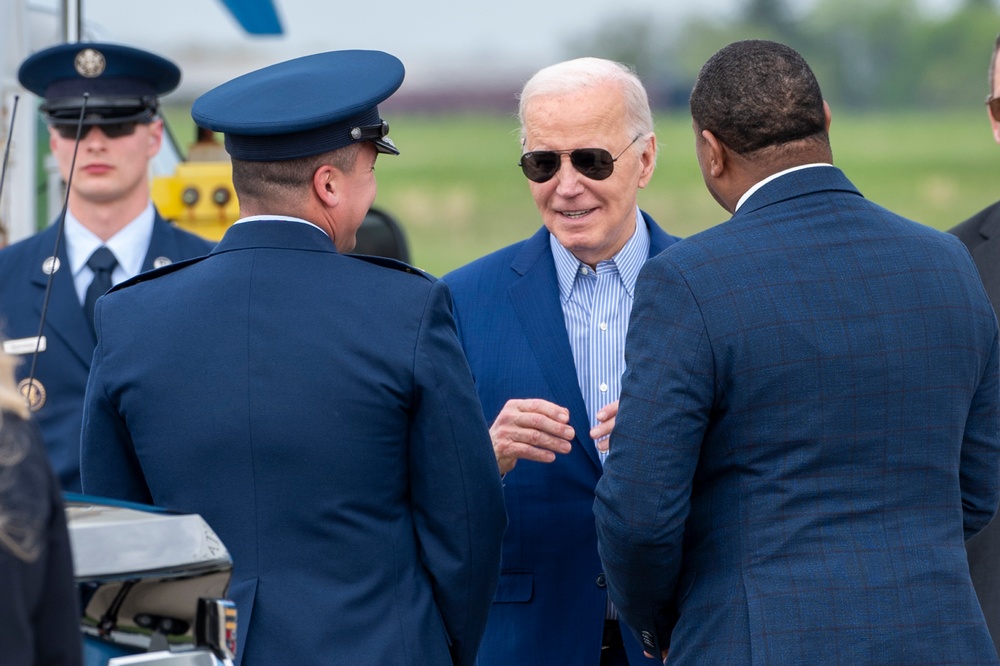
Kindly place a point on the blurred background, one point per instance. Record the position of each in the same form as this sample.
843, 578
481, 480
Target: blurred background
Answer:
906, 80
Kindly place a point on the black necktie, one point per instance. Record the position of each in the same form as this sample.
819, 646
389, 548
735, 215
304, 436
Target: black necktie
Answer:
102, 262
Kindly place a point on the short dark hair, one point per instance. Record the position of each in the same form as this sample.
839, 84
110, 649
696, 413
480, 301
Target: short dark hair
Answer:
755, 93
993, 64
264, 180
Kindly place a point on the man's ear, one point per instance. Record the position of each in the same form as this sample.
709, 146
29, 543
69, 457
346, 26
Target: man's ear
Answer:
155, 138
716, 154
648, 161
326, 185
994, 124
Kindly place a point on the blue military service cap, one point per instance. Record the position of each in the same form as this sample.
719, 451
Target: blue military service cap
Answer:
121, 83
302, 107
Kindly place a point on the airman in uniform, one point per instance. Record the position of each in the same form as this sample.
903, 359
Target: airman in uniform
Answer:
111, 230
314, 407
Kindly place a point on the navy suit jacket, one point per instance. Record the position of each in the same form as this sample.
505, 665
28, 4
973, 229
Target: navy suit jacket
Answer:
317, 411
550, 606
62, 368
981, 234
794, 481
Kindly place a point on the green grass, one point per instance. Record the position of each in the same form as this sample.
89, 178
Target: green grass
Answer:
459, 194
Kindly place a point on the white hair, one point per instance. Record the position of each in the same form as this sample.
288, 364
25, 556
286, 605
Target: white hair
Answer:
574, 75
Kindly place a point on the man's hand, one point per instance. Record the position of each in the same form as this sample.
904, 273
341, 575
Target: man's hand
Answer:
664, 659
602, 430
532, 429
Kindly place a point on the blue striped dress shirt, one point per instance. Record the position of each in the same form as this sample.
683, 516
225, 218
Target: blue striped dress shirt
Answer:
596, 307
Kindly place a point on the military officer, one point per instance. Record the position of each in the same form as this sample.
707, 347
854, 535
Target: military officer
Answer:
111, 232
315, 407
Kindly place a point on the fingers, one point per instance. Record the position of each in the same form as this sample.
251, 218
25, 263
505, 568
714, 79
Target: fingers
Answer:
531, 429
602, 430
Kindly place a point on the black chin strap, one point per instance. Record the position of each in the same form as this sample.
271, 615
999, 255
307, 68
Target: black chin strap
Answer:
61, 222
6, 158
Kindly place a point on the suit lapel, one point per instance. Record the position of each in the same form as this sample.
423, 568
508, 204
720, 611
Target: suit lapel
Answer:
64, 317
984, 254
163, 248
659, 240
535, 298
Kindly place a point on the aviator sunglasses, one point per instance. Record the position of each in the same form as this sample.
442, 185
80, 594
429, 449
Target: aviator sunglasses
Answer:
110, 130
595, 163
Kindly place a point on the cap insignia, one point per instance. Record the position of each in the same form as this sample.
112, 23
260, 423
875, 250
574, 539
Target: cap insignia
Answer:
89, 63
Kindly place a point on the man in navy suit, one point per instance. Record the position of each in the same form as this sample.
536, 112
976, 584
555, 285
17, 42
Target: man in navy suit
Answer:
315, 408
981, 234
109, 218
543, 325
809, 425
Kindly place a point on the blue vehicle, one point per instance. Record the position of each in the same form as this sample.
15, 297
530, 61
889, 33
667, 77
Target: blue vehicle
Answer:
152, 585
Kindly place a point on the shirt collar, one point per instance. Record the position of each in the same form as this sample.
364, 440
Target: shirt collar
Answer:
129, 245
285, 218
748, 193
628, 261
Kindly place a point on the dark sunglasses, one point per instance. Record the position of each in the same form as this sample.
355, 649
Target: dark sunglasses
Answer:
595, 163
110, 130
994, 104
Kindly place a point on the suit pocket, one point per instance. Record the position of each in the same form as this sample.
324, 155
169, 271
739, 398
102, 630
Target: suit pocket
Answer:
514, 587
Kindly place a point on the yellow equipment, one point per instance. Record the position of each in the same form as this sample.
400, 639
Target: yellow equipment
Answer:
198, 197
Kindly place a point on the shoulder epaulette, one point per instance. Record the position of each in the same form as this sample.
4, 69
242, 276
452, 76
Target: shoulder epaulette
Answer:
155, 273
394, 264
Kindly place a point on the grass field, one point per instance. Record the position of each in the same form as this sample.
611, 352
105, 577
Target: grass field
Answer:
459, 194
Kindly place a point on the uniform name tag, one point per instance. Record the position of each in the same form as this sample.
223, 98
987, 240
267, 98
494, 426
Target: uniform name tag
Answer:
23, 346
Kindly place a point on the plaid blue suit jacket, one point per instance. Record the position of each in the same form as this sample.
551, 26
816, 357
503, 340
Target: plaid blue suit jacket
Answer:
808, 431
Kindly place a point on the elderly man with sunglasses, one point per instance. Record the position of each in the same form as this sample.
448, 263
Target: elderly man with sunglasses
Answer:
543, 325
111, 230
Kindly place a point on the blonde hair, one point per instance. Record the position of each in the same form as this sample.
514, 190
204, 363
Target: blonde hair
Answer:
20, 527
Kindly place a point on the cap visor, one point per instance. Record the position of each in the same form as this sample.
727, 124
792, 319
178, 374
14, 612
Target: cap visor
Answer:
385, 145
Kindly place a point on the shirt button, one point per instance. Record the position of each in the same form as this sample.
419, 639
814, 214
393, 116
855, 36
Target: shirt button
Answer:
601, 581
603, 325
604, 388
584, 270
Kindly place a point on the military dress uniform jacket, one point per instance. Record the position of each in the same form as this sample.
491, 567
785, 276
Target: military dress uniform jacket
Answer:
981, 234
62, 368
317, 411
794, 483
551, 602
